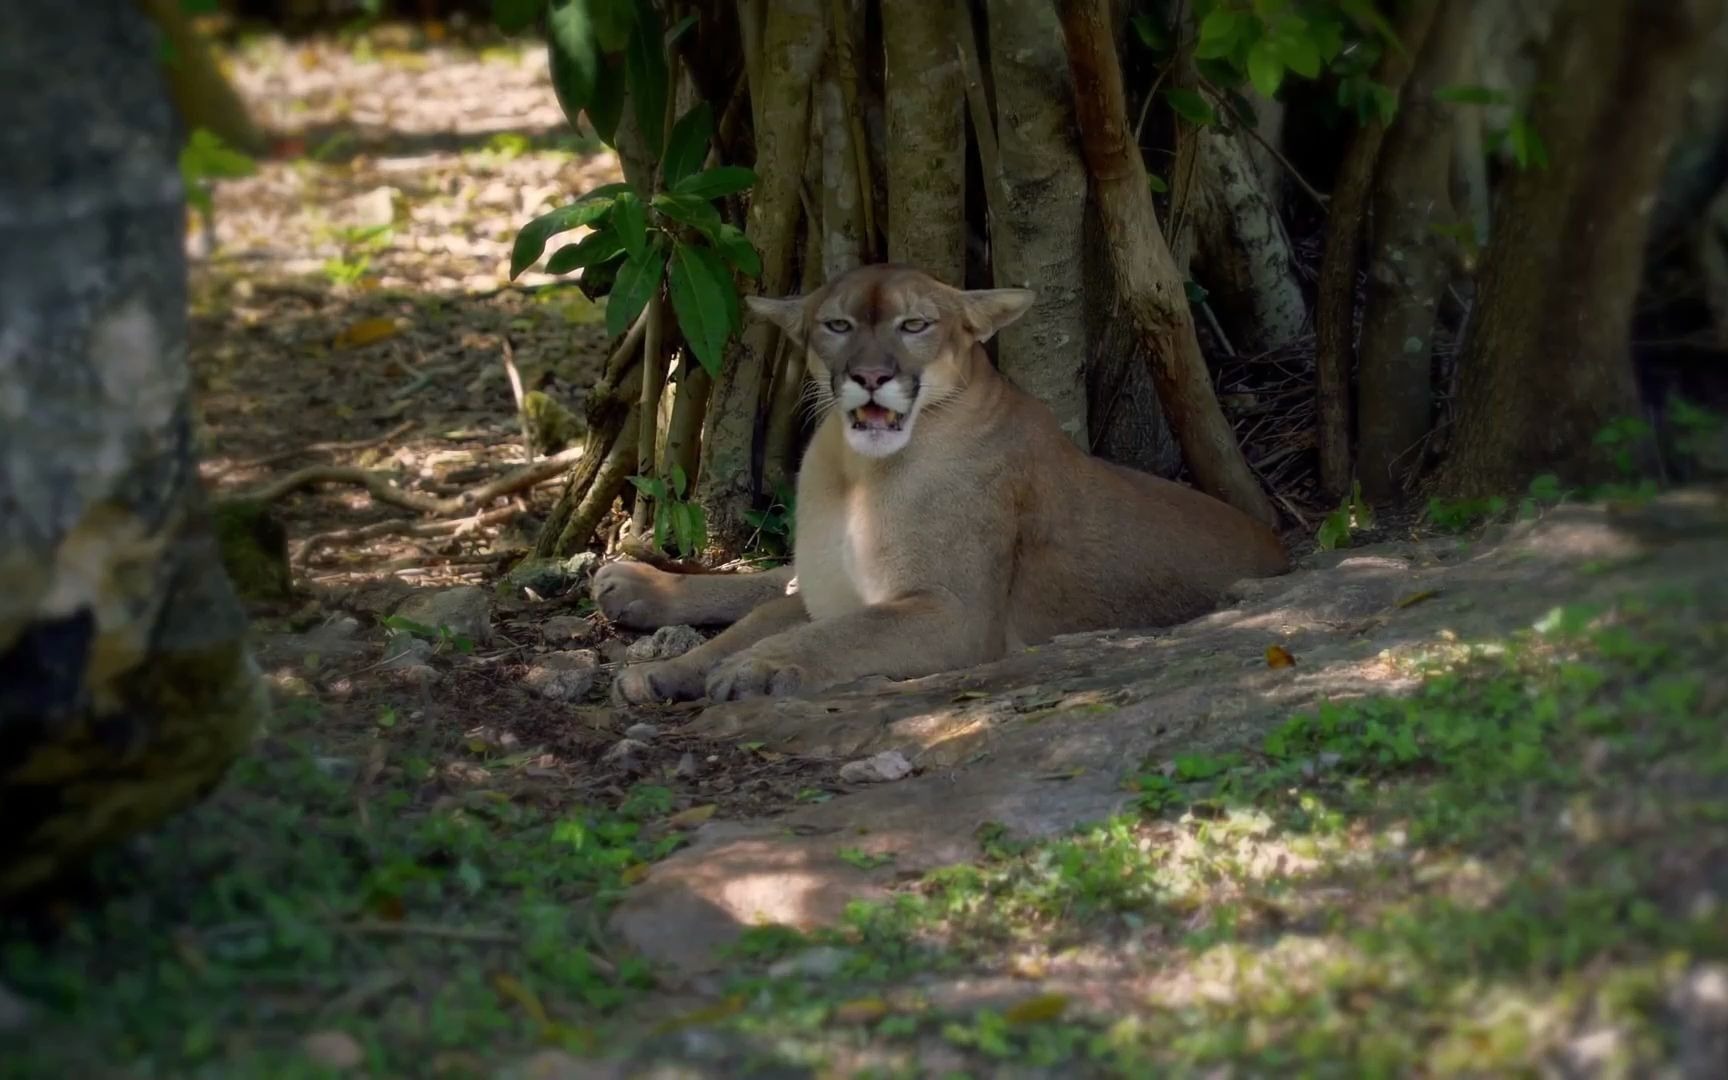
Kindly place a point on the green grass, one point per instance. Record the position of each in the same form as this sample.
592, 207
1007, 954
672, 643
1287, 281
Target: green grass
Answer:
1460, 880
437, 930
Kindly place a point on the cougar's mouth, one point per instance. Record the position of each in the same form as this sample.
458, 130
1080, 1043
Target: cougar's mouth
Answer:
874, 417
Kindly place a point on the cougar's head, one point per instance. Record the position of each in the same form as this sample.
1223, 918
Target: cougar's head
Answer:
886, 342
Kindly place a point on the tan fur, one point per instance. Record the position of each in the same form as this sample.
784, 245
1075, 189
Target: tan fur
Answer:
988, 531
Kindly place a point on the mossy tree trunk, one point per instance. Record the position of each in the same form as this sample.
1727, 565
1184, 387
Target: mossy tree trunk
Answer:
1547, 364
126, 688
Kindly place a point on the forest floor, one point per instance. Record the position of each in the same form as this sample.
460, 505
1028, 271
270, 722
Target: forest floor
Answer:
1436, 804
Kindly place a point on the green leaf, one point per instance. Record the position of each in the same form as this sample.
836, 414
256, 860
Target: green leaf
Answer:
687, 146
606, 105
716, 182
1300, 55
575, 65
613, 20
531, 241
597, 247
1159, 187
515, 16
736, 249
630, 218
645, 66
1265, 68
1150, 33
689, 210
650, 486
637, 281
1218, 33
1191, 106
1365, 14
701, 288
1528, 148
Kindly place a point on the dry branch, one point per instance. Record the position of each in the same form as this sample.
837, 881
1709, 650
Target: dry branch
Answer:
383, 490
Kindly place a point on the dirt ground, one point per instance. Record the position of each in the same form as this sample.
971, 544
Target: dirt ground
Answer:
1446, 804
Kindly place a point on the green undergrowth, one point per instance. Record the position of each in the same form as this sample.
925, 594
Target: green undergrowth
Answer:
433, 931
1514, 861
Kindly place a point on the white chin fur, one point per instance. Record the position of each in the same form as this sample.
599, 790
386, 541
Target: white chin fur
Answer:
879, 442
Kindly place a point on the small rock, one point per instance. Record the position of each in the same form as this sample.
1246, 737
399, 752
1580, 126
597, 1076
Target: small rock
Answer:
563, 676
421, 675
686, 767
553, 577
14, 1011
821, 962
664, 644
333, 1050
627, 754
642, 732
885, 767
338, 768
405, 650
464, 610
561, 629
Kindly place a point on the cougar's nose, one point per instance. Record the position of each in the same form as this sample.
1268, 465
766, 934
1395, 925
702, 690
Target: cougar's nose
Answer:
871, 378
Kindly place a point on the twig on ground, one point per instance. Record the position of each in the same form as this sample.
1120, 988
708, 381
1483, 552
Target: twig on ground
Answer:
317, 448
345, 537
509, 355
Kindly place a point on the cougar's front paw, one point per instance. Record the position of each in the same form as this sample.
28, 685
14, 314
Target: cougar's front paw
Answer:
656, 683
633, 594
747, 675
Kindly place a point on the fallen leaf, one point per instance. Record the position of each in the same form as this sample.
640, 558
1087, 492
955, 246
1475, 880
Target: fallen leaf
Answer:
367, 332
970, 695
1278, 656
691, 817
1417, 597
509, 986
633, 873
860, 1010
731, 1005
1037, 1010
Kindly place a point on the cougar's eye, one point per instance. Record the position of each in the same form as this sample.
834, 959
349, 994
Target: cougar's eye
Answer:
914, 326
838, 326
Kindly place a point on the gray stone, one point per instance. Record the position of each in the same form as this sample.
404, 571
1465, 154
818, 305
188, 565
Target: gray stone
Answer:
888, 766
403, 650
562, 629
464, 610
551, 578
563, 676
821, 962
642, 732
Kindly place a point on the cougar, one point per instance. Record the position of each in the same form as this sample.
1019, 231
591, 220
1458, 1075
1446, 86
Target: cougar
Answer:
943, 518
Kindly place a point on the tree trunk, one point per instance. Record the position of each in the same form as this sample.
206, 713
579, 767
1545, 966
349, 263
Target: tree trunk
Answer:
1152, 287
1241, 250
1408, 267
1546, 365
201, 93
791, 52
1335, 307
1037, 234
126, 687
926, 148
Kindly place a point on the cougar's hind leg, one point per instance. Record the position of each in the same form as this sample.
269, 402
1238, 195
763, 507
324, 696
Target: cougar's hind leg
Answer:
640, 597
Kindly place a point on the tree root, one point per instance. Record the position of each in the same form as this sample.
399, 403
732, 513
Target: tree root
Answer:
280, 456
452, 527
381, 489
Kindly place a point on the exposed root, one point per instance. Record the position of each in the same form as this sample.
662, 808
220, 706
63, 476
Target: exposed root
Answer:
383, 490
453, 527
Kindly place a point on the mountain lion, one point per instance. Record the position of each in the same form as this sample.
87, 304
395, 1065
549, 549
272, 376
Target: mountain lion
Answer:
944, 519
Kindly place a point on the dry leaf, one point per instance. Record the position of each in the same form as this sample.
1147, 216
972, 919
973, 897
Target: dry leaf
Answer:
509, 986
1037, 1010
691, 817
1278, 656
367, 332
1417, 597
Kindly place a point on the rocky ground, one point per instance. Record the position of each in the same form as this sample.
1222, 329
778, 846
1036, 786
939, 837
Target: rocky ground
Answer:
1433, 804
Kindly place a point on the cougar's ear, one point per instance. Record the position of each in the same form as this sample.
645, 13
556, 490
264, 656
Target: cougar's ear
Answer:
787, 313
989, 310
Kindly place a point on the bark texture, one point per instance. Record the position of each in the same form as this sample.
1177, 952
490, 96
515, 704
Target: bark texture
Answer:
1037, 232
1335, 306
126, 688
791, 53
926, 147
1408, 264
1151, 285
1546, 365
